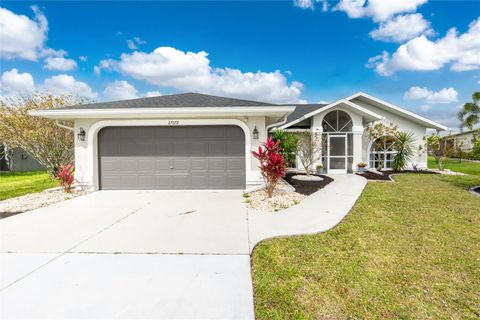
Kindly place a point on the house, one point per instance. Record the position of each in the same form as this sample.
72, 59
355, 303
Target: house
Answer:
17, 160
197, 141
464, 140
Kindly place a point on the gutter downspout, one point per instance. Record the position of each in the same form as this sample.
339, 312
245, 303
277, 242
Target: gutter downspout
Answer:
283, 121
63, 126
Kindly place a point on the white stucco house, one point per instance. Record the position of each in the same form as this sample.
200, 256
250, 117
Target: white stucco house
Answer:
197, 141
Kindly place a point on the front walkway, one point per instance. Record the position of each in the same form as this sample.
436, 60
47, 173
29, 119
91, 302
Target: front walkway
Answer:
151, 254
318, 213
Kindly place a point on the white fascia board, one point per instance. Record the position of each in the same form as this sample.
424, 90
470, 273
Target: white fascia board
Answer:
408, 114
362, 110
161, 112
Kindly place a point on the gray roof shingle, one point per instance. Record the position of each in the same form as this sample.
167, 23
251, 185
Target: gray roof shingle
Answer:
182, 100
303, 109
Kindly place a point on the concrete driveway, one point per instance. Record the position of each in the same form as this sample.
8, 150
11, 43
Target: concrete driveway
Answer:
129, 254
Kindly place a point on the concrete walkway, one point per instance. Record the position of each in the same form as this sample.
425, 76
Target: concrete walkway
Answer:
318, 213
149, 254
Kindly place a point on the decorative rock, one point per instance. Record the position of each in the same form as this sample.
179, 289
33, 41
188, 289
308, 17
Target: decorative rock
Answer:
36, 200
282, 198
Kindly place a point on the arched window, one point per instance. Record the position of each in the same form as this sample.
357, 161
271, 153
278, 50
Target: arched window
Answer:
382, 153
337, 121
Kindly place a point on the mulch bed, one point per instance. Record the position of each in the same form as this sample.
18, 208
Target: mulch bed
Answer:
306, 187
385, 175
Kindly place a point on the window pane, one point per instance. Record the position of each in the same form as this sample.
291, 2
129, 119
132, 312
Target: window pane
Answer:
337, 163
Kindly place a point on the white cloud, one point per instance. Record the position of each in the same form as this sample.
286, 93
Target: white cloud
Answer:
59, 64
445, 95
310, 4
425, 107
461, 51
131, 45
190, 71
150, 94
378, 10
22, 37
402, 28
66, 85
135, 42
83, 58
120, 90
14, 83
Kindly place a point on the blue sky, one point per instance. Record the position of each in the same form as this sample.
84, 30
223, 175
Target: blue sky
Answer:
269, 51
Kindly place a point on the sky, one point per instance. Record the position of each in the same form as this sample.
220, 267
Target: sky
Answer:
421, 55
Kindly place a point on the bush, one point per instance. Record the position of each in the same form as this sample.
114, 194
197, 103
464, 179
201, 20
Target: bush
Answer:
272, 164
288, 144
66, 177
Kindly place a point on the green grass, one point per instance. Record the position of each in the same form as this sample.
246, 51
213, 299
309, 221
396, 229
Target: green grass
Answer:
465, 166
407, 250
20, 183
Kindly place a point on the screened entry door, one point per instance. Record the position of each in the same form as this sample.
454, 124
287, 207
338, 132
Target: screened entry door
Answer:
337, 160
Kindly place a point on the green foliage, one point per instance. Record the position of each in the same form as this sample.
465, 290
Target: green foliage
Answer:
470, 113
288, 143
406, 250
404, 147
15, 184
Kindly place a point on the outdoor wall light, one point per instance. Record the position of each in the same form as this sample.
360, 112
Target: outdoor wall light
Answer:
81, 135
255, 133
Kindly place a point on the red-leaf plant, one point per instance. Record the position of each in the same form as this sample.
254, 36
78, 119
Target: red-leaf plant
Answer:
66, 177
272, 164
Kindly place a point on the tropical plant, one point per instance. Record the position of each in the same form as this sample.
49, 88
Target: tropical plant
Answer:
272, 164
470, 113
39, 137
66, 176
288, 144
404, 147
309, 149
440, 149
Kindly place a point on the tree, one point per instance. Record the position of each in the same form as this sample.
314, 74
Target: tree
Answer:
470, 113
288, 144
51, 145
309, 149
404, 146
440, 148
272, 164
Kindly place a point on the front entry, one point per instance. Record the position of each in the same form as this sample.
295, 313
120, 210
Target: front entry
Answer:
337, 154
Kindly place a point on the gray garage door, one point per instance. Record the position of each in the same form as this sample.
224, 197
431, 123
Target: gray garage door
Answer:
193, 157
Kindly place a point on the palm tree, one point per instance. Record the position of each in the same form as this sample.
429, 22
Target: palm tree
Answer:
470, 114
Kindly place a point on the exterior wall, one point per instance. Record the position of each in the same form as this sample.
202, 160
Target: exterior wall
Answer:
420, 156
465, 140
86, 157
20, 161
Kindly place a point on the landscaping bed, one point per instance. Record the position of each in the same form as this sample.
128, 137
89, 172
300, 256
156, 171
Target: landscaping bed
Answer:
37, 200
386, 175
306, 187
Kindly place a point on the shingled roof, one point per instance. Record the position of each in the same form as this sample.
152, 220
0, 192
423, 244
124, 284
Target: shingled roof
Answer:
303, 109
182, 100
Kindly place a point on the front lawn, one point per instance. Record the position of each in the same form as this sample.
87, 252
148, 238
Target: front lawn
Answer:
407, 250
14, 184
465, 166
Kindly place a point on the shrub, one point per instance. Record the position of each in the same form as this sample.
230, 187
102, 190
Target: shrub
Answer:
66, 177
288, 144
272, 164
309, 149
404, 147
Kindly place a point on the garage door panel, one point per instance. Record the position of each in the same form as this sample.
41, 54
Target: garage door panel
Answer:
181, 164
200, 164
196, 157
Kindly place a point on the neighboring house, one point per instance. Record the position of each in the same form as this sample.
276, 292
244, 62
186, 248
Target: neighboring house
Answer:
17, 160
196, 141
464, 140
